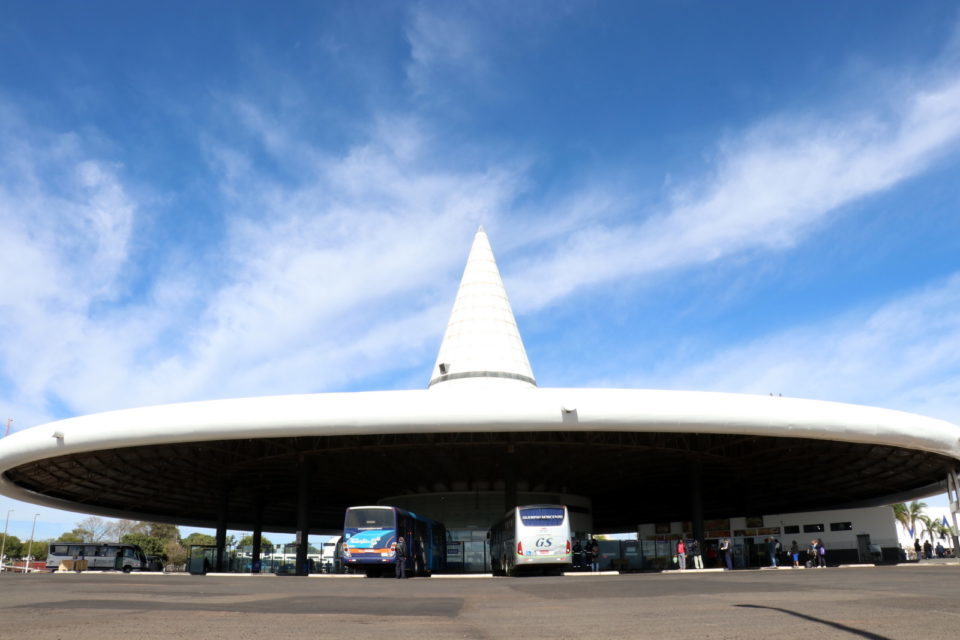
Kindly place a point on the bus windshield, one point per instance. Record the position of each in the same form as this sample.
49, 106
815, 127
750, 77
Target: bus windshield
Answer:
542, 516
369, 519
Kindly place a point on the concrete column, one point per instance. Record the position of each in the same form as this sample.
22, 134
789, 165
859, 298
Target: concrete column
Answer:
509, 479
303, 518
696, 499
222, 529
953, 497
257, 536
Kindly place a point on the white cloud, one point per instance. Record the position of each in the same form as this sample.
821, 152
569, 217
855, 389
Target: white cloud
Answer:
336, 268
904, 354
67, 225
771, 186
442, 45
347, 273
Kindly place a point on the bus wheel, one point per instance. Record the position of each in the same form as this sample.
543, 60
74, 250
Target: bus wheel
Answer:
373, 572
127, 568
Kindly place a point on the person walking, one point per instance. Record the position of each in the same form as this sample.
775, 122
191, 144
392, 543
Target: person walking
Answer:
695, 552
795, 554
772, 551
401, 558
813, 555
682, 554
727, 550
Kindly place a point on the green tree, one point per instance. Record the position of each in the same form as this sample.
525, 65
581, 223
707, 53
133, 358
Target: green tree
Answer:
150, 545
39, 550
12, 547
941, 530
175, 552
902, 515
164, 531
199, 538
913, 513
247, 541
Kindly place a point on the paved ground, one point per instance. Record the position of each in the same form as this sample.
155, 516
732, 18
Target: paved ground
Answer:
879, 602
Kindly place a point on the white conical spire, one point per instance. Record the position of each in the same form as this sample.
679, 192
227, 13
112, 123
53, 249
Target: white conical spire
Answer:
482, 342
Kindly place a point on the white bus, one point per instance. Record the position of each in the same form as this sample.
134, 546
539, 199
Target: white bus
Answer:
99, 555
536, 535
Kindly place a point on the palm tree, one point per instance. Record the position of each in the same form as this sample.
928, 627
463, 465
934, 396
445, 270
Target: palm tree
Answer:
939, 528
902, 515
908, 515
929, 526
915, 510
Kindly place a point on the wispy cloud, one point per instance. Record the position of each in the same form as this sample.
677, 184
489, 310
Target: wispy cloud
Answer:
67, 223
444, 46
340, 272
339, 267
770, 186
903, 354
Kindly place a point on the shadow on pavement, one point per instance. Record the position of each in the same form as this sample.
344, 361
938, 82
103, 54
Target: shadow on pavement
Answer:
835, 625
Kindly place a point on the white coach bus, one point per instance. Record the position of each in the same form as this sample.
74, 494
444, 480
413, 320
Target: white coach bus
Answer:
536, 535
99, 555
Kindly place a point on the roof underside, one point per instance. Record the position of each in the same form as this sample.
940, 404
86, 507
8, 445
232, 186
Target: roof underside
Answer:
631, 477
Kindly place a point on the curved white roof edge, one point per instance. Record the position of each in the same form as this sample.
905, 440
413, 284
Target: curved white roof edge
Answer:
480, 410
474, 408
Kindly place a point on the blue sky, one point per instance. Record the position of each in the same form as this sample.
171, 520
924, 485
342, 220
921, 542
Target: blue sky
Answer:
220, 199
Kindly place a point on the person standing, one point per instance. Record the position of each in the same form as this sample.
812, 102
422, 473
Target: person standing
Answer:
916, 548
401, 558
695, 552
795, 554
727, 550
594, 552
927, 550
682, 554
821, 553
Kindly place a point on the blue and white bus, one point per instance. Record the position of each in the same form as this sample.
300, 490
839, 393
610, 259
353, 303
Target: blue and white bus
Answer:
370, 541
536, 535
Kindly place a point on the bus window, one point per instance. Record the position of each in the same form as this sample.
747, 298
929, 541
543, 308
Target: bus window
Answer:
542, 516
369, 519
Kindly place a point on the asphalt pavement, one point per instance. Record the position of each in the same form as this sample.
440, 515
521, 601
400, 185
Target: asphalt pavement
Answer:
880, 603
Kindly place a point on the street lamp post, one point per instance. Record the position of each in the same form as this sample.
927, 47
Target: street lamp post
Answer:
30, 547
3, 545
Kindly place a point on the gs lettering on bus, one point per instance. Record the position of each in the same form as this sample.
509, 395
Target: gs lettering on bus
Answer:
544, 542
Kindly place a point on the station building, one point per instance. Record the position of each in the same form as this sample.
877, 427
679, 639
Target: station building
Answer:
482, 437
